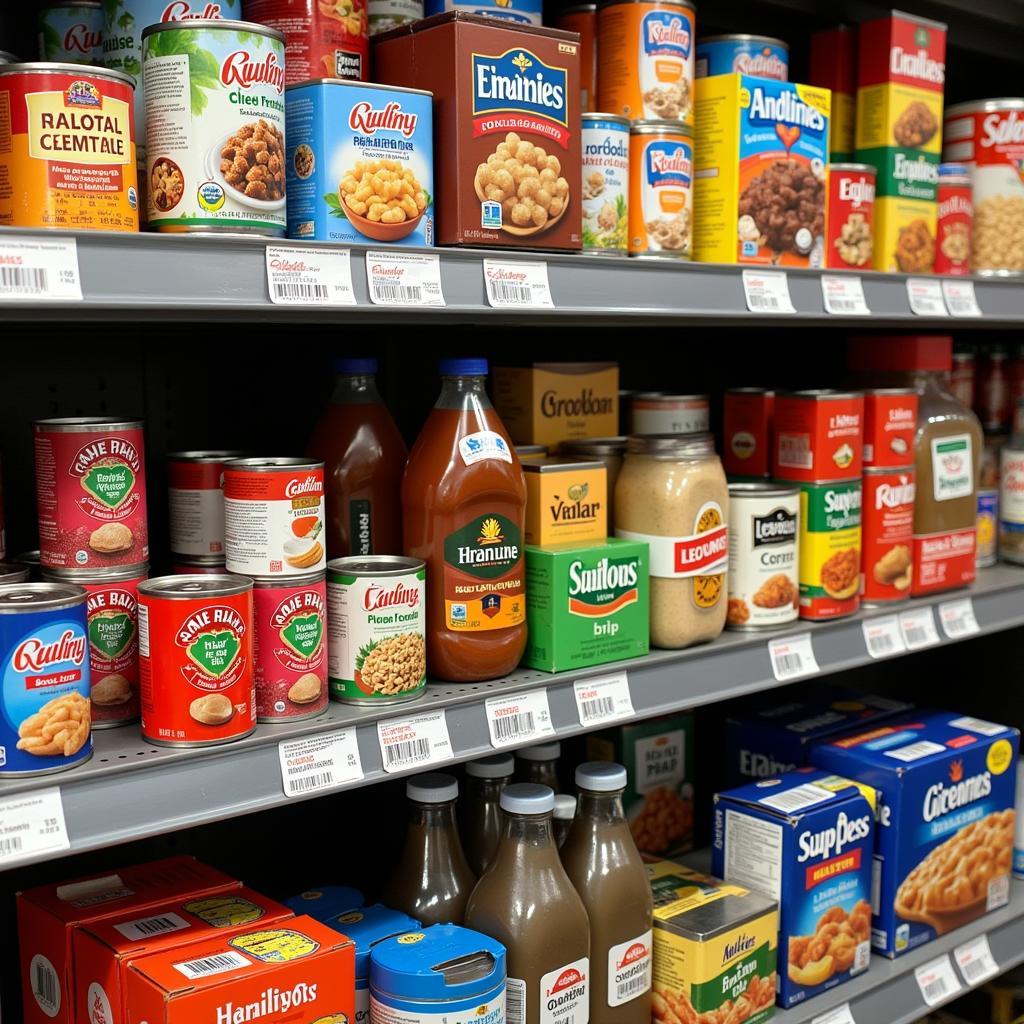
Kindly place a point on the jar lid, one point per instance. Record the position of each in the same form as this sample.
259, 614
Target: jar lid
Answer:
593, 446
500, 766
671, 444
901, 352
366, 926
527, 798
463, 367
432, 788
600, 776
356, 367
325, 902
540, 752
565, 807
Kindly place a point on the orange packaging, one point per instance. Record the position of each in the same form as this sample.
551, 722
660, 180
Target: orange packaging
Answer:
67, 148
748, 421
849, 216
50, 915
890, 423
818, 435
887, 535
299, 971
105, 950
582, 18
660, 189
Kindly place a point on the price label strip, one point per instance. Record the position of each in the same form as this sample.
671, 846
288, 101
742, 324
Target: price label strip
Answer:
603, 699
767, 291
39, 268
315, 763
937, 981
960, 297
958, 619
882, 636
404, 279
844, 295
840, 1015
517, 285
310, 277
32, 824
518, 718
414, 742
918, 628
925, 297
975, 960
793, 657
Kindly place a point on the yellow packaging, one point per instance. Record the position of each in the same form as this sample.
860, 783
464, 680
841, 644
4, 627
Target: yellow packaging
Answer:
894, 115
566, 502
551, 402
905, 231
715, 947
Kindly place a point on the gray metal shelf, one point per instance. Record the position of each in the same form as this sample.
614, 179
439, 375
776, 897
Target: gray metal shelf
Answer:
130, 789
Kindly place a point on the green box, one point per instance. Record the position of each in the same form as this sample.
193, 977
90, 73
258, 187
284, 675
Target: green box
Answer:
907, 173
586, 605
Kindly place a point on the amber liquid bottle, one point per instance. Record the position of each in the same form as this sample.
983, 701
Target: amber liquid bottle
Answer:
539, 764
480, 818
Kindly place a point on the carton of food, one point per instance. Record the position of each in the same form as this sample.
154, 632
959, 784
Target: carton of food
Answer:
566, 502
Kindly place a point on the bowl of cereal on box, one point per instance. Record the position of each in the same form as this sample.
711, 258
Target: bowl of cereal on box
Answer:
250, 163
383, 199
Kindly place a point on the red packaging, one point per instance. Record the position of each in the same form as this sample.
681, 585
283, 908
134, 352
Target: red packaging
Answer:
993, 391
849, 216
291, 647
834, 66
747, 426
956, 221
961, 379
818, 435
890, 423
195, 492
196, 660
582, 18
887, 538
90, 493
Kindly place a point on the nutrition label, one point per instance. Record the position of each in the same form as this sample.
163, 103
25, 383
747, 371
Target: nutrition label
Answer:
753, 853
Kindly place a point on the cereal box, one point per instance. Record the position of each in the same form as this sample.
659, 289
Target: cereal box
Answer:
944, 847
806, 840
759, 175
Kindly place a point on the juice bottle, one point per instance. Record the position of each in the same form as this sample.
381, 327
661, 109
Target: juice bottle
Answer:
463, 508
480, 808
364, 456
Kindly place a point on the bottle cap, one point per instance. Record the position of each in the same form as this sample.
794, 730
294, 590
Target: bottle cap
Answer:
600, 776
500, 766
432, 788
472, 367
565, 807
527, 798
358, 367
540, 752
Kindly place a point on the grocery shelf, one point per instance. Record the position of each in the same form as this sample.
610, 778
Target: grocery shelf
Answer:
131, 789
146, 277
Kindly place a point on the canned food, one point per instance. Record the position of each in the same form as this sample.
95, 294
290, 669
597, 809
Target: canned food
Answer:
196, 660
986, 551
384, 15
849, 216
830, 545
215, 152
582, 18
377, 627
72, 33
747, 428
1011, 505
69, 157
660, 190
890, 423
30, 560
13, 573
645, 58
605, 183
90, 492
956, 221
45, 726
887, 563
759, 56
763, 578
655, 413
8, 58
274, 517
112, 625
819, 435
291, 650
195, 489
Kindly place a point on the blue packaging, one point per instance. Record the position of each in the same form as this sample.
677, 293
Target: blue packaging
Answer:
522, 12
326, 902
757, 56
944, 846
806, 840
342, 138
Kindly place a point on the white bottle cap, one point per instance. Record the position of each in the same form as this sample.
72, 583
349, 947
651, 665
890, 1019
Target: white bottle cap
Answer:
527, 798
499, 766
541, 752
432, 788
600, 776
565, 807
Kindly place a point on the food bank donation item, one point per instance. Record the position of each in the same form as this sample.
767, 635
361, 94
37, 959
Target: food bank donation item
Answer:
956, 221
566, 501
480, 817
195, 490
605, 183
757, 56
661, 190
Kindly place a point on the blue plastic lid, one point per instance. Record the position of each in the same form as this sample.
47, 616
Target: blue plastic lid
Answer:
452, 367
367, 926
326, 902
358, 367
423, 965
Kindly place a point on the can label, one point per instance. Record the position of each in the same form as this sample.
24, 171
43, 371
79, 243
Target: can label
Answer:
758, 57
671, 415
830, 542
1011, 505
943, 560
564, 994
890, 423
888, 531
987, 524
605, 185
71, 34
849, 218
661, 194
748, 424
819, 439
196, 496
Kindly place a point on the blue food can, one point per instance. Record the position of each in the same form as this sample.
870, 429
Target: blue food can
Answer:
72, 33
759, 56
522, 12
44, 644
986, 551
326, 902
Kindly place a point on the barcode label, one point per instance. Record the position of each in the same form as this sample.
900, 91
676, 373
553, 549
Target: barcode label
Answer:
146, 927
45, 985
961, 299
507, 291
217, 963
798, 798
300, 290
401, 294
515, 1001
840, 1015
515, 726
24, 280
793, 657
976, 962
519, 717
958, 618
629, 969
310, 783
843, 294
918, 628
10, 845
309, 277
925, 297
795, 451
937, 981
603, 699
406, 751
517, 284
882, 636
916, 751
32, 269
627, 989
314, 763
601, 707
415, 741
404, 279
978, 725
32, 824
767, 291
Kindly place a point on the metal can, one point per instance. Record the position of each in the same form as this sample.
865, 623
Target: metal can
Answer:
181, 567
30, 560
759, 56
69, 159
747, 428
986, 551
112, 624
830, 544
890, 424
849, 216
887, 559
45, 725
13, 573
274, 517
384, 15
290, 619
956, 221
763, 578
376, 625
1011, 503
655, 413
195, 489
819, 435
605, 183
582, 18
196, 660
90, 492
9, 58
660, 189
72, 33
215, 144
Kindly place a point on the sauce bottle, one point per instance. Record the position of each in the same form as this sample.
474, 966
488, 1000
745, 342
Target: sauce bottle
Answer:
526, 901
463, 505
604, 865
432, 881
364, 456
539, 764
480, 808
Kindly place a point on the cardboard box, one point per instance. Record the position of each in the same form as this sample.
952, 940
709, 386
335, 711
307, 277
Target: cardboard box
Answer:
806, 840
298, 970
49, 915
566, 502
586, 605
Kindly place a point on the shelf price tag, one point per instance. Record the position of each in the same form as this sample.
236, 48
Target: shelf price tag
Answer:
925, 296
958, 619
937, 981
844, 295
309, 277
519, 717
39, 268
404, 278
520, 285
414, 742
918, 628
976, 962
31, 824
960, 297
882, 636
840, 1015
793, 657
603, 699
312, 763
767, 291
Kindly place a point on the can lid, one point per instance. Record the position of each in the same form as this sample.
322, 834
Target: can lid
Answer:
600, 115
601, 776
46, 67
763, 488
463, 367
500, 766
679, 445
356, 366
855, 168
274, 463
527, 798
366, 926
13, 569
901, 352
654, 126
16, 598
100, 574
189, 586
375, 565
85, 424
742, 37
203, 455
249, 27
593, 446
540, 752
565, 807
432, 788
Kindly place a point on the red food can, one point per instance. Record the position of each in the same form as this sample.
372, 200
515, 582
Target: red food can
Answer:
196, 664
890, 423
819, 435
195, 491
887, 537
849, 216
291, 647
961, 378
90, 493
956, 221
582, 18
748, 417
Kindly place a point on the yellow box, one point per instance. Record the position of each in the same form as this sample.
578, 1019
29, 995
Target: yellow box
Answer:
894, 115
905, 234
550, 402
566, 502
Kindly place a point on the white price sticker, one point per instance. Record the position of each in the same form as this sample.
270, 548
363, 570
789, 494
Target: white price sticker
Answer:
39, 268
793, 657
937, 981
960, 297
313, 763
840, 1015
523, 285
767, 291
404, 279
925, 296
519, 717
976, 962
603, 699
844, 295
414, 742
882, 636
31, 824
309, 277
957, 618
918, 628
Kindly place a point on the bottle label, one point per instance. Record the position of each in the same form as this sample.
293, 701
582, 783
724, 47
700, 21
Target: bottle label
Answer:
952, 467
484, 444
564, 994
515, 1001
360, 527
629, 969
383, 1012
